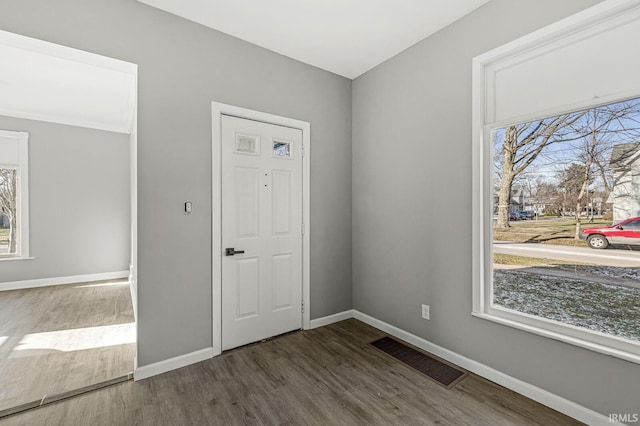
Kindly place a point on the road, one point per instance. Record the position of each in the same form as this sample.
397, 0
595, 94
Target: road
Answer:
607, 257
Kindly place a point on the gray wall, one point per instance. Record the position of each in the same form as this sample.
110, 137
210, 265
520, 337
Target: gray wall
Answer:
411, 233
79, 193
182, 68
412, 209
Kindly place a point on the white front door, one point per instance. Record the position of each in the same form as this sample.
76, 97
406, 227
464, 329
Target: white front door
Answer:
261, 230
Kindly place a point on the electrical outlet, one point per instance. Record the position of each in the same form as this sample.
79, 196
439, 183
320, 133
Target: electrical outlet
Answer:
425, 312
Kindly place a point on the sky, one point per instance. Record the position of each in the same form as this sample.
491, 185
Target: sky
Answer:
557, 156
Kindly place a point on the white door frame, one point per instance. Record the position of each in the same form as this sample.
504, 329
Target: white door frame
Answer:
217, 111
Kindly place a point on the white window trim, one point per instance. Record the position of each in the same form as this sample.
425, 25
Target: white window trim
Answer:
22, 221
484, 70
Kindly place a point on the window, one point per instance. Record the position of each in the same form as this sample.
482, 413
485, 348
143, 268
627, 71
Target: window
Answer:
14, 205
246, 144
556, 137
634, 224
281, 149
566, 170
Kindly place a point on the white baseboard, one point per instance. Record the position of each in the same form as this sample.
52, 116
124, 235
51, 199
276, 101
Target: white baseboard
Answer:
321, 322
535, 393
43, 282
180, 361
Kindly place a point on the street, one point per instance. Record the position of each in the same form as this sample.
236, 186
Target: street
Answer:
607, 257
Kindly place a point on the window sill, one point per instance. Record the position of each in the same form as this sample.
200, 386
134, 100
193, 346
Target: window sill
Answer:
8, 259
558, 335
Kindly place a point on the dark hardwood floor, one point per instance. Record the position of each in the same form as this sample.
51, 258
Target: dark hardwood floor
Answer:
60, 338
326, 376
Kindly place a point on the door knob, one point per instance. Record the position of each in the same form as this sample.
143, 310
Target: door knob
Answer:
231, 251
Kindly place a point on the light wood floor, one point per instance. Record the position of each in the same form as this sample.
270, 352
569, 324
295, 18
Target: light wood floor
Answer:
326, 376
60, 338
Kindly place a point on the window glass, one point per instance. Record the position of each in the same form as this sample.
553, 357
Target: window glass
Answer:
635, 224
247, 144
281, 149
8, 211
577, 173
14, 195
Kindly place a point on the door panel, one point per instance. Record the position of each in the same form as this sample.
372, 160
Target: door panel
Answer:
246, 284
282, 282
261, 217
281, 205
247, 202
615, 236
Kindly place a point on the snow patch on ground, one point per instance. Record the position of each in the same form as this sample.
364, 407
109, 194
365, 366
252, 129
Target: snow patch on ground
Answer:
606, 271
606, 308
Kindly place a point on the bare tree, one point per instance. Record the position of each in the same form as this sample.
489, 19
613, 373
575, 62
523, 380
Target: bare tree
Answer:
547, 195
8, 200
522, 144
600, 127
570, 181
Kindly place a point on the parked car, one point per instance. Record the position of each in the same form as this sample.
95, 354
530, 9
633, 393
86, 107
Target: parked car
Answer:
527, 214
625, 232
514, 216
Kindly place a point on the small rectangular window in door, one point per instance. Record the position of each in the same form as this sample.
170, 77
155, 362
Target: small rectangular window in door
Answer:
281, 149
247, 144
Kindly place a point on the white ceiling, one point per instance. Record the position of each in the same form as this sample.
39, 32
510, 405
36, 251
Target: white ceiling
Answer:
48, 82
347, 37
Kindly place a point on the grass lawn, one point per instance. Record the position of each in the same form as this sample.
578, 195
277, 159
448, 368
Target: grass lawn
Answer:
509, 259
614, 275
559, 231
4, 236
595, 306
599, 298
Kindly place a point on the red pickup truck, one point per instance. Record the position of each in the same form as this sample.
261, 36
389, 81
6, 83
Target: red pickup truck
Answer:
625, 232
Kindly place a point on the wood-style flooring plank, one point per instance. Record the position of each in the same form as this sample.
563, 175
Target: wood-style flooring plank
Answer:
326, 376
62, 338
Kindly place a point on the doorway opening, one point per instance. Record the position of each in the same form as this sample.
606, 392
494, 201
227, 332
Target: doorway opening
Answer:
68, 268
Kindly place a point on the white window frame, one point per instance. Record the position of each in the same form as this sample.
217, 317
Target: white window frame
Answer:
22, 190
485, 68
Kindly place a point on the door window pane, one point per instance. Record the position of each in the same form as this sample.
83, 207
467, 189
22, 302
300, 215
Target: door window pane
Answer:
281, 149
247, 144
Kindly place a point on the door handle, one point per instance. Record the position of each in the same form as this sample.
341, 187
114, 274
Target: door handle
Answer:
231, 251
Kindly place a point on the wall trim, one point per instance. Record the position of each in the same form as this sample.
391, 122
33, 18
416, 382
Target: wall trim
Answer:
44, 282
330, 319
535, 393
170, 364
133, 167
134, 293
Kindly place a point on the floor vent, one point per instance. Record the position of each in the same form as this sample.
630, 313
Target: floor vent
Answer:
445, 374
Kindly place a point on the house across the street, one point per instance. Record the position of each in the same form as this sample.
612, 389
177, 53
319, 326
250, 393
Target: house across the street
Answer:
625, 194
